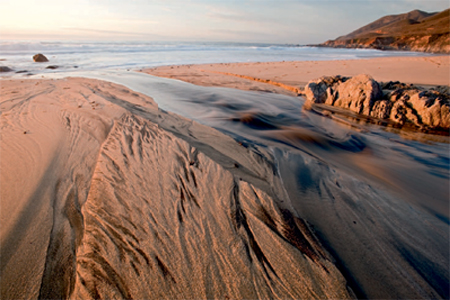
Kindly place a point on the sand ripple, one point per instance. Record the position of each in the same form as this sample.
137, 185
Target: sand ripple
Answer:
162, 219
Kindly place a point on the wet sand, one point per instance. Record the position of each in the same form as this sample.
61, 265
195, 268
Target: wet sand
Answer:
105, 195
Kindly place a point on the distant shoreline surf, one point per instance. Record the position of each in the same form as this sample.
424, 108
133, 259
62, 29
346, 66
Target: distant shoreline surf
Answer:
91, 56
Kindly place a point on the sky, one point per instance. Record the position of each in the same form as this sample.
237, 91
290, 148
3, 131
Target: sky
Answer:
266, 21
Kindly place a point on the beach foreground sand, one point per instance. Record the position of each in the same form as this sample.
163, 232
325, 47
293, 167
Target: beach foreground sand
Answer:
286, 77
105, 196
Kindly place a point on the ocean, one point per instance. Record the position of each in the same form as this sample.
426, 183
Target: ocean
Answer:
93, 56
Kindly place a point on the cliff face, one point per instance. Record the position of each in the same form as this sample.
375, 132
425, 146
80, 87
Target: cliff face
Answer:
413, 31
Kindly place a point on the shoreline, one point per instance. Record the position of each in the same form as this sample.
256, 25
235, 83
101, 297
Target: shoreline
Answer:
289, 77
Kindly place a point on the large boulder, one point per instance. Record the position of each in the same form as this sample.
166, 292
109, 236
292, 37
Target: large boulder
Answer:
4, 69
322, 90
40, 58
358, 94
429, 108
432, 107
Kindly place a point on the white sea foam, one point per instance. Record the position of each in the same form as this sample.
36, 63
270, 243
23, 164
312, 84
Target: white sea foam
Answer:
71, 56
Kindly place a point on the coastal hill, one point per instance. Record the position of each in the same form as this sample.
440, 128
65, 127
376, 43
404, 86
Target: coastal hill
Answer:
413, 31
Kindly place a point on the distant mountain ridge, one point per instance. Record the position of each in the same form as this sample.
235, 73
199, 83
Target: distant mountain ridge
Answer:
413, 31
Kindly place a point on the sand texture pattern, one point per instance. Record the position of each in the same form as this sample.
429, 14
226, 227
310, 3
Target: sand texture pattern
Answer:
164, 220
104, 196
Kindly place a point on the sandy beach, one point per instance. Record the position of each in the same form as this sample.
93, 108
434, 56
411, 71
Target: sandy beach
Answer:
290, 77
106, 196
87, 166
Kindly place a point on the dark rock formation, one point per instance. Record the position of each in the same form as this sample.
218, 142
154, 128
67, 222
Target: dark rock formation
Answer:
404, 104
4, 69
52, 67
40, 58
413, 31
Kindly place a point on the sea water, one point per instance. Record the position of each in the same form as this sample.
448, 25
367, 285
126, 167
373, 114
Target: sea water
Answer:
86, 56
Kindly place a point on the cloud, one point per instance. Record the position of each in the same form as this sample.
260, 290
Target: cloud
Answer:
239, 14
242, 35
226, 17
99, 31
111, 32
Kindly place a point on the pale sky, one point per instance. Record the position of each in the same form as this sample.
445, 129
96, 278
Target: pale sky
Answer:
270, 21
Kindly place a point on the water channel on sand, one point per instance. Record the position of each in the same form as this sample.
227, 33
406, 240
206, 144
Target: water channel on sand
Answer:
377, 202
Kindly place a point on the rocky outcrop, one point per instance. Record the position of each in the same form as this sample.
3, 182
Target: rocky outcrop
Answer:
413, 31
357, 94
40, 58
4, 69
437, 43
321, 90
403, 104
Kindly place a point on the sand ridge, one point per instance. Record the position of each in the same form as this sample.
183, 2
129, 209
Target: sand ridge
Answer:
51, 134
